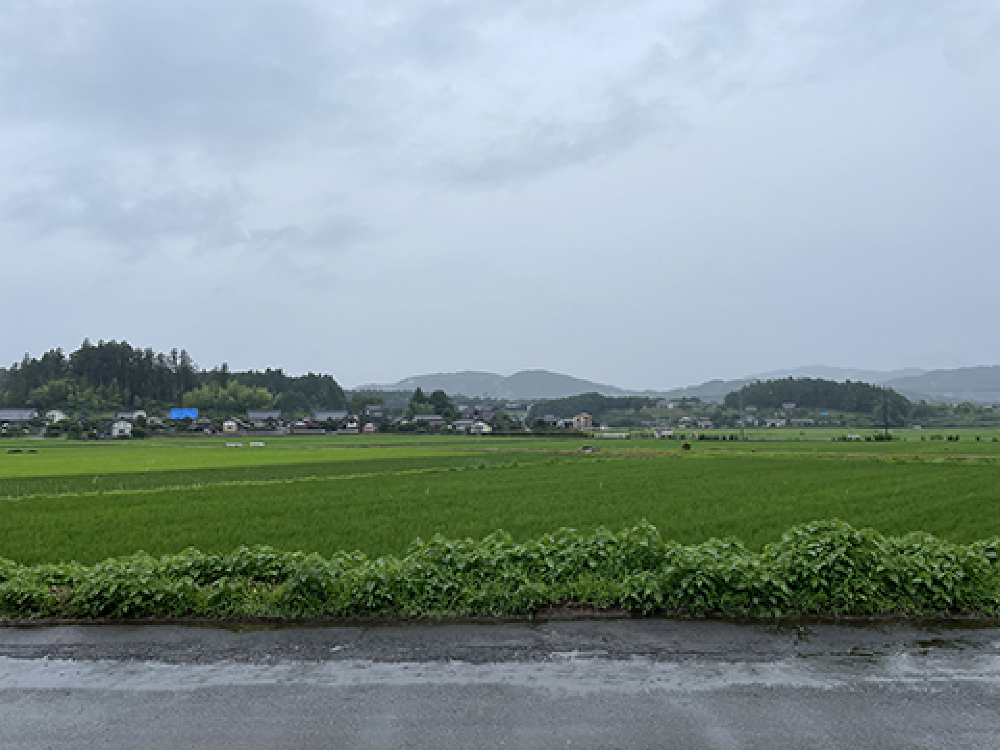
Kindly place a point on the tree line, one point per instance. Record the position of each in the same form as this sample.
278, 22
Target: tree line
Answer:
116, 375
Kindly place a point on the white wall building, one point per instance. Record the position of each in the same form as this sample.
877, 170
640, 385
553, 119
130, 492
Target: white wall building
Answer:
121, 428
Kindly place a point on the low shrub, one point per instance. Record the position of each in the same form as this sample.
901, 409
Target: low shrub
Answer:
827, 567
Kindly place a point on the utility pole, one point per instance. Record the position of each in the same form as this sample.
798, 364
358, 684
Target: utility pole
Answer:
885, 411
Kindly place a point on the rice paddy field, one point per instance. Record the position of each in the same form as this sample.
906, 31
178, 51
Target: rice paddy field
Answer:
62, 500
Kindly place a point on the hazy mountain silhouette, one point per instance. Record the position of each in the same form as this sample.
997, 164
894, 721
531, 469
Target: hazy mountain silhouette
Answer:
979, 384
526, 384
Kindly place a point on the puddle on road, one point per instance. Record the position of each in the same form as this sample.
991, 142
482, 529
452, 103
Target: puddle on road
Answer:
569, 673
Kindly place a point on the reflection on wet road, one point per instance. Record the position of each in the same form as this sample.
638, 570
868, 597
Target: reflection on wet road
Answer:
634, 683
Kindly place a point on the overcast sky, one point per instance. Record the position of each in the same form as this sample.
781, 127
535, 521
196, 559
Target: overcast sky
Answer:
648, 194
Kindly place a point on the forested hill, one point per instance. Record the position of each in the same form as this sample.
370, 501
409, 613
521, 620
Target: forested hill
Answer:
815, 393
114, 374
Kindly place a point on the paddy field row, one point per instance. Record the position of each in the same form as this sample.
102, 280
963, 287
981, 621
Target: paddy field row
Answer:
71, 501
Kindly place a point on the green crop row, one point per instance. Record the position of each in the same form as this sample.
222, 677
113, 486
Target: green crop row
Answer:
825, 567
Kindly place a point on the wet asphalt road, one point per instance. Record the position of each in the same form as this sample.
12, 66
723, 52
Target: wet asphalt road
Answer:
578, 684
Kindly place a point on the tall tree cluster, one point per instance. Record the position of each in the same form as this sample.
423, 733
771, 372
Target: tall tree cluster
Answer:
436, 403
816, 393
114, 374
110, 372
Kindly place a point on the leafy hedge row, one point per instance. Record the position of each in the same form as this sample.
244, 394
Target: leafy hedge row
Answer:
824, 567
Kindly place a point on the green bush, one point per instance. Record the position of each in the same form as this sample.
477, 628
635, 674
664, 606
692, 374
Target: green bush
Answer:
825, 567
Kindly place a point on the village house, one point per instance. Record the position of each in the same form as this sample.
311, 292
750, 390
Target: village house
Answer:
434, 421
264, 418
337, 415
120, 428
583, 421
304, 427
429, 418
12, 416
131, 416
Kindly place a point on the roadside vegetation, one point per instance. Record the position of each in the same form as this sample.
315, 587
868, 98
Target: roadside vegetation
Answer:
819, 568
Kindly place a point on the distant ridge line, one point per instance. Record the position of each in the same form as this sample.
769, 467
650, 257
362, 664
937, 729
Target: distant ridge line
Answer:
979, 384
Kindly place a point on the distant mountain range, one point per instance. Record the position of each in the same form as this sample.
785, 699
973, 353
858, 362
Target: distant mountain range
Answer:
977, 384
526, 384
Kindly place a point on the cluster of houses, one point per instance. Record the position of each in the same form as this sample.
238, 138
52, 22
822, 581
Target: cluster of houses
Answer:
120, 426
783, 418
345, 423
472, 419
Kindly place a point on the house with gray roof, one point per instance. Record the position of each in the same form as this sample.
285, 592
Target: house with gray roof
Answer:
324, 416
264, 417
434, 422
10, 416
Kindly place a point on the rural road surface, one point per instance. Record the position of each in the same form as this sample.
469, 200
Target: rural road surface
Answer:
569, 684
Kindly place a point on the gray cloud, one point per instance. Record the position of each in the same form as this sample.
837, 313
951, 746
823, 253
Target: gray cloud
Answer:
718, 156
208, 74
135, 216
329, 237
540, 147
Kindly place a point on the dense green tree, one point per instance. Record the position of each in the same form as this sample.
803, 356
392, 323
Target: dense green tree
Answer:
226, 401
315, 392
359, 401
437, 403
294, 404
816, 393
112, 374
443, 405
